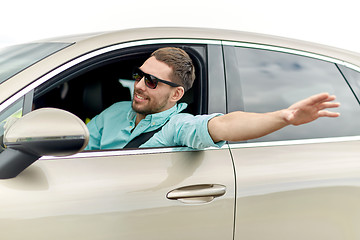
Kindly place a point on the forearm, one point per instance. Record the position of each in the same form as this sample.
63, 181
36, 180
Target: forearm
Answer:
241, 126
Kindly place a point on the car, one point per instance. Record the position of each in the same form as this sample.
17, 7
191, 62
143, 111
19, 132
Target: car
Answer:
301, 182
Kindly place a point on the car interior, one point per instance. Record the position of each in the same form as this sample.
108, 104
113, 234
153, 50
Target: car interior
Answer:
92, 86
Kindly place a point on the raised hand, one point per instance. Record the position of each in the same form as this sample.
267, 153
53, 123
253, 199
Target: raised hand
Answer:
310, 109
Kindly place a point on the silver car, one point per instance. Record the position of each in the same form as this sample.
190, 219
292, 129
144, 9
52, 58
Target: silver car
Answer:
297, 183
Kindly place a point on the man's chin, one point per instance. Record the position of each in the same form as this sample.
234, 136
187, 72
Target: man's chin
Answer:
140, 110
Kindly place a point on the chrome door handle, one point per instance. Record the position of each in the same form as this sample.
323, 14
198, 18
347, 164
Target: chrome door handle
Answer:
197, 193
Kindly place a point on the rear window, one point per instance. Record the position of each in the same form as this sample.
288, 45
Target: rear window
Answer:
16, 58
269, 81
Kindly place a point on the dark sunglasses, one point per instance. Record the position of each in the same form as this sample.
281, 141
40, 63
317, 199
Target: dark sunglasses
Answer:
150, 80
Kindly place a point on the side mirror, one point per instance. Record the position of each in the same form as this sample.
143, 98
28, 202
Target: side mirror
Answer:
46, 131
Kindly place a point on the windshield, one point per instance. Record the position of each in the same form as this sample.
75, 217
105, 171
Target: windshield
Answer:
14, 59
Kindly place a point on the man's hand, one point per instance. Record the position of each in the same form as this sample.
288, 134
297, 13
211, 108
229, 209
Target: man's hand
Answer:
310, 109
241, 126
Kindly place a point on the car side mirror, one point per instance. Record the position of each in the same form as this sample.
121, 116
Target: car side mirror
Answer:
43, 132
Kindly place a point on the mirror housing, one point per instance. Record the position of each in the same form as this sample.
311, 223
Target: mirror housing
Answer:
48, 131
43, 132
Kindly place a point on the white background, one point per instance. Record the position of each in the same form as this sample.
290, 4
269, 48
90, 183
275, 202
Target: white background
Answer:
329, 22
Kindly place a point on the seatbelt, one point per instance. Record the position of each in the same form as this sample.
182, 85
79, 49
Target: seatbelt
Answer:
142, 138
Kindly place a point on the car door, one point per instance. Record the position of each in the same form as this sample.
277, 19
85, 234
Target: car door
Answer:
300, 182
157, 193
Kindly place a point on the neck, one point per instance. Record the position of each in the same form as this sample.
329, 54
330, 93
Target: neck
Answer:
139, 117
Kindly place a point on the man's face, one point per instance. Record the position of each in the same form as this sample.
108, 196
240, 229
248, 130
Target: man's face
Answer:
149, 101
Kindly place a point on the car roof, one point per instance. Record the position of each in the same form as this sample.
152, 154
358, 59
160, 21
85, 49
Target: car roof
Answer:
102, 39
85, 43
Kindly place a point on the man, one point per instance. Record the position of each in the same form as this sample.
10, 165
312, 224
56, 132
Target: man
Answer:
160, 83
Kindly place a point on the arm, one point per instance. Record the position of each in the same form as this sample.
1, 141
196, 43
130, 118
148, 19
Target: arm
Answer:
95, 136
241, 126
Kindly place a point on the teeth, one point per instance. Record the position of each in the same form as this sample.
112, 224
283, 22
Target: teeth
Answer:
140, 97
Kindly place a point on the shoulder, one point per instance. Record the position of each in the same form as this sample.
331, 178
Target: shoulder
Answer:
115, 113
118, 107
183, 118
188, 130
185, 122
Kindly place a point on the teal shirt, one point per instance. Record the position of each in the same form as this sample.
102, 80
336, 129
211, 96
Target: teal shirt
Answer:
115, 127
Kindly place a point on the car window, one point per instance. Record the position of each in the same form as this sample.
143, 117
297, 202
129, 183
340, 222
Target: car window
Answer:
88, 89
269, 81
353, 78
14, 59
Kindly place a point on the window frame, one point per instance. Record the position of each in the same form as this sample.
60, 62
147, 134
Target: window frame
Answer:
122, 55
336, 62
74, 62
59, 72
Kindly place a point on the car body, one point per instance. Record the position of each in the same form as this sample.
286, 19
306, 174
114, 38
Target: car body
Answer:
298, 183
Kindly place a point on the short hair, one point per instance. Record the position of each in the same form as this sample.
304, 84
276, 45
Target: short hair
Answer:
183, 71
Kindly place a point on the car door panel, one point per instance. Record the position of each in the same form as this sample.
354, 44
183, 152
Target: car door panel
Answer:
120, 196
300, 182
306, 191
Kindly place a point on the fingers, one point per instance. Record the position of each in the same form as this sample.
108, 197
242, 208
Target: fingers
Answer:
328, 105
325, 113
320, 98
312, 108
324, 101
314, 100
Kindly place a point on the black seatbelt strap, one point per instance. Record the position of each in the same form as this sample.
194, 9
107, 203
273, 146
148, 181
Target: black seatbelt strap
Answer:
142, 138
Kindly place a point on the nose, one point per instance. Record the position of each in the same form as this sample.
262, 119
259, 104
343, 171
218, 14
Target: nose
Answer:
140, 84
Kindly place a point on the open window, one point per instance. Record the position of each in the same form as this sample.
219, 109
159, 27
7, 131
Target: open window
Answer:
94, 85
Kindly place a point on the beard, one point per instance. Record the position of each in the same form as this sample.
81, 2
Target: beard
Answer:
151, 106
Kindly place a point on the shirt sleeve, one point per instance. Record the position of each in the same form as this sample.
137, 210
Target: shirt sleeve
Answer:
95, 135
104, 126
192, 131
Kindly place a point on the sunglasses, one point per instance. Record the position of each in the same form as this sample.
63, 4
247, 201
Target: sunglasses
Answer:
150, 80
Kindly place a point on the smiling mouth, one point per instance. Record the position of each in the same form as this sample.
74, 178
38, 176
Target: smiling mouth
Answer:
140, 97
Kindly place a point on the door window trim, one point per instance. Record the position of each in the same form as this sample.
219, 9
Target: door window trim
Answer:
96, 53
119, 46
127, 152
304, 54
294, 142
291, 51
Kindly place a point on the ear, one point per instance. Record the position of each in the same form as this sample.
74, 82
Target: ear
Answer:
178, 93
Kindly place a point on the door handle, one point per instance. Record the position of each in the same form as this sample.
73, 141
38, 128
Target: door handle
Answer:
201, 193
